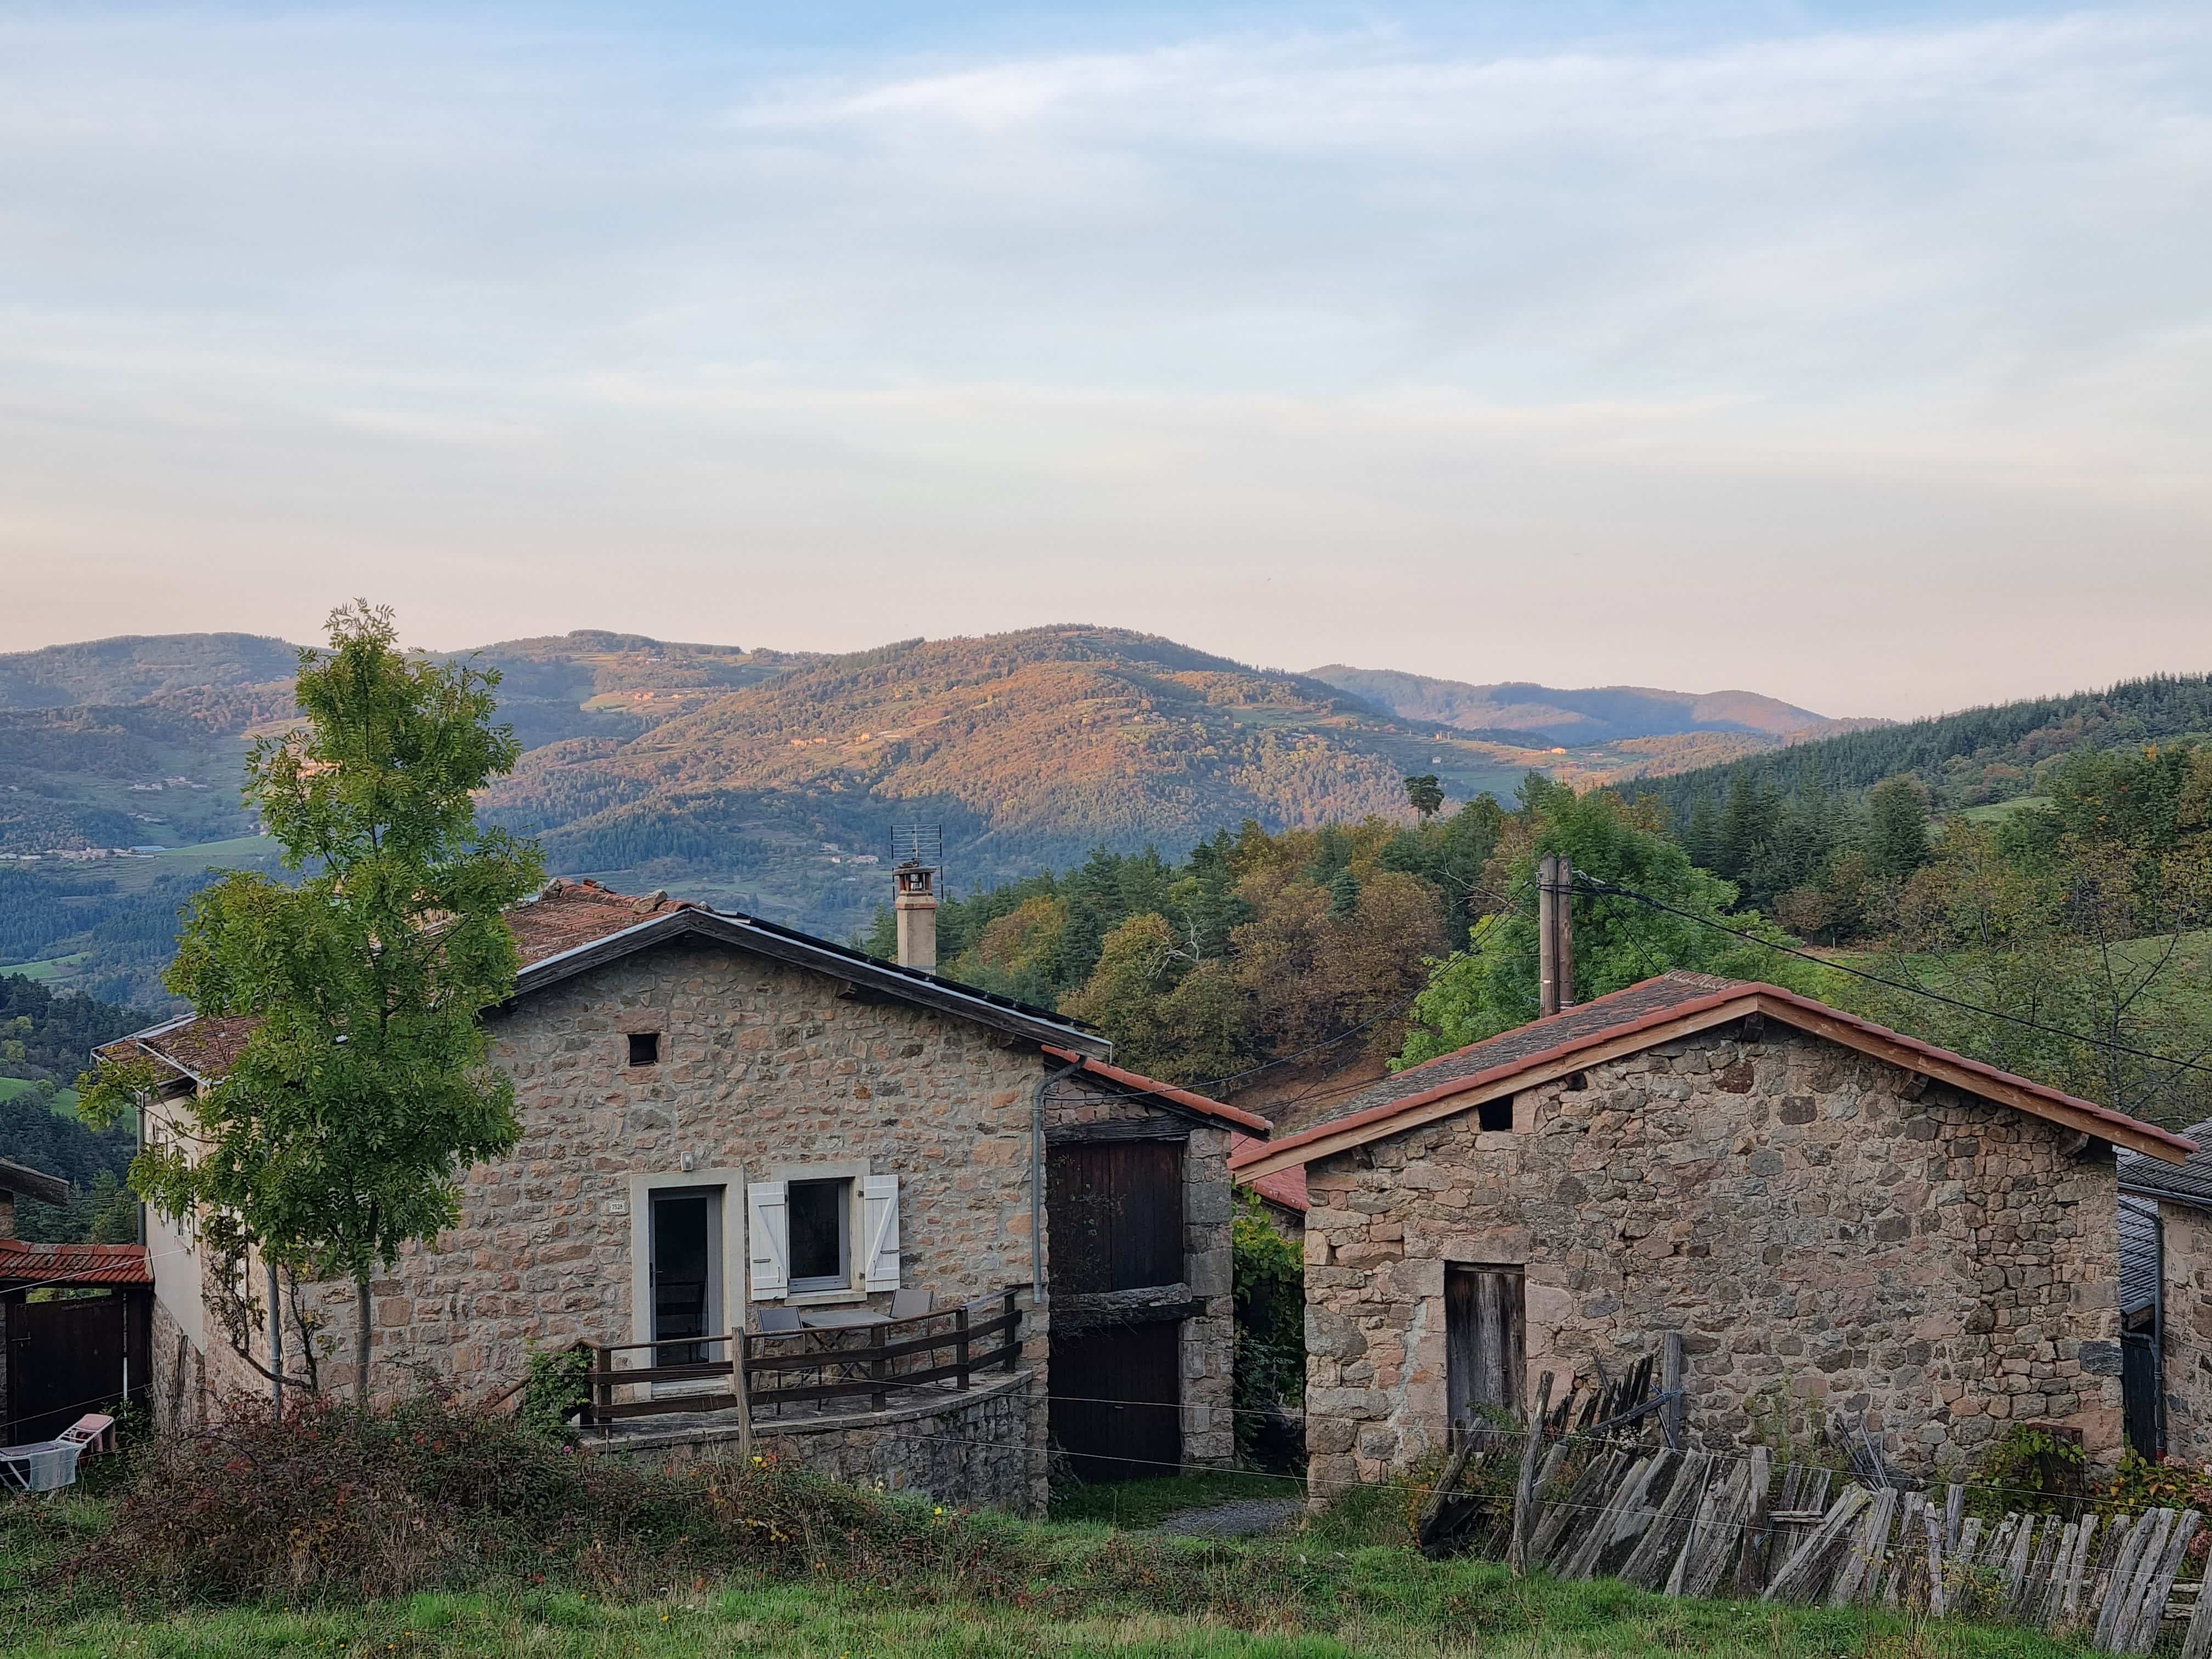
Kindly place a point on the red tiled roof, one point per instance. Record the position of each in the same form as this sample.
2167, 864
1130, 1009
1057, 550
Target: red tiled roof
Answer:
1284, 1187
1184, 1097
1661, 1003
23, 1263
567, 915
570, 913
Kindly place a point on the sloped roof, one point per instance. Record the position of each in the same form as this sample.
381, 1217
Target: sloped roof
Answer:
1136, 1082
32, 1183
1659, 1011
2187, 1183
2139, 1263
575, 926
24, 1263
1285, 1189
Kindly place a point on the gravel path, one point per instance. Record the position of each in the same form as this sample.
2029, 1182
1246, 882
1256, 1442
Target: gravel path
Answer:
1240, 1517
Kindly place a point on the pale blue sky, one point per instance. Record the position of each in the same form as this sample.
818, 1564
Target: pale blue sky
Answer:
1859, 355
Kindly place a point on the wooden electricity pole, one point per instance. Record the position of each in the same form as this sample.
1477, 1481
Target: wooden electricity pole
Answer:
1555, 941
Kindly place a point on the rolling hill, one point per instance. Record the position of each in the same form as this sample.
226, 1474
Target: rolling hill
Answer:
1608, 713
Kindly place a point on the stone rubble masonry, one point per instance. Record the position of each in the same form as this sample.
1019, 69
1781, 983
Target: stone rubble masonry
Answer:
1944, 1266
971, 1452
763, 1064
2185, 1343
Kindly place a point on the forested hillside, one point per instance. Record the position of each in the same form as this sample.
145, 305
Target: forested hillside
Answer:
44, 1041
1607, 714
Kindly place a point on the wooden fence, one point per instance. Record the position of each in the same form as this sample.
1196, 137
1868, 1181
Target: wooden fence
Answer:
1689, 1523
807, 1368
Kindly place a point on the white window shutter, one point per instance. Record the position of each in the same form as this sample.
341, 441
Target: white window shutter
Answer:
879, 1227
768, 1217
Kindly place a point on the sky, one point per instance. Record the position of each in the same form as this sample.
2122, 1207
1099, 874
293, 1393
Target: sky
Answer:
1861, 356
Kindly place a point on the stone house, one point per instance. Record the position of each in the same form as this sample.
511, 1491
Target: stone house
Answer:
1822, 1208
2172, 1296
721, 1116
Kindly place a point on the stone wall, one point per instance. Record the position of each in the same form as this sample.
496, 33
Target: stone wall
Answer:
762, 1066
2185, 1339
1940, 1264
974, 1452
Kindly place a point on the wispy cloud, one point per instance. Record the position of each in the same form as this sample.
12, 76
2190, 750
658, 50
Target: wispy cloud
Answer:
1839, 308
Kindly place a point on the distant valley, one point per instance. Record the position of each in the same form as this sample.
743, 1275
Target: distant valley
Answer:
770, 780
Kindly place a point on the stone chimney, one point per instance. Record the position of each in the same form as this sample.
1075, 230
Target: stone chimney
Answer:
916, 907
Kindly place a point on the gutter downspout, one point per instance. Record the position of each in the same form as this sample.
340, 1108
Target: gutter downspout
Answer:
1036, 1176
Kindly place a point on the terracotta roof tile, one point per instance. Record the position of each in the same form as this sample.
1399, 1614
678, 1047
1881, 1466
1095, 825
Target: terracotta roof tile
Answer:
1286, 1188
1168, 1091
570, 913
1656, 1004
22, 1263
1538, 1036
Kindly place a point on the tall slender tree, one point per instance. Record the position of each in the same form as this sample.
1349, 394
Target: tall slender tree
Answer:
365, 1089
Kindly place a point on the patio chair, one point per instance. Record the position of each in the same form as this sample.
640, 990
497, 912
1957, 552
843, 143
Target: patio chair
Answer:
912, 1304
781, 1321
93, 1431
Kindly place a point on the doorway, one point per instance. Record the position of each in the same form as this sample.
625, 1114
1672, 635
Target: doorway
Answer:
1114, 1411
1484, 1344
687, 1276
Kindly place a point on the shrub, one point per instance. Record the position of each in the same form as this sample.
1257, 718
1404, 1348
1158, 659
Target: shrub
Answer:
1271, 1312
2030, 1469
555, 1388
329, 1501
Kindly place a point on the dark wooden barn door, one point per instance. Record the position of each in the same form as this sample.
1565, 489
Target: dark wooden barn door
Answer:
65, 1358
2139, 1384
1113, 1401
1116, 1223
1484, 1344
1116, 1214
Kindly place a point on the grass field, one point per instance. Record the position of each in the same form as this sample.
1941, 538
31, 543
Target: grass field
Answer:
1386, 1601
64, 1099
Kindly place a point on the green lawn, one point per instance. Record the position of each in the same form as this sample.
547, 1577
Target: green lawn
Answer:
49, 971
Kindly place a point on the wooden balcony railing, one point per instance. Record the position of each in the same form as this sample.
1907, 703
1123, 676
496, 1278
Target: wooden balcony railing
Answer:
809, 1367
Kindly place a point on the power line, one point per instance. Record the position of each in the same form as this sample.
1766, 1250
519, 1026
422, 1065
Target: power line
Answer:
1593, 885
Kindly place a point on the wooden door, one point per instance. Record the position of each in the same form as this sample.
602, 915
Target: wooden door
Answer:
1485, 1343
1116, 1220
65, 1358
1114, 1394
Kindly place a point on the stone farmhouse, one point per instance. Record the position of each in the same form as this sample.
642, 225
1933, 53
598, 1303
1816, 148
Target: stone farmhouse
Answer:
2165, 1241
1818, 1207
729, 1124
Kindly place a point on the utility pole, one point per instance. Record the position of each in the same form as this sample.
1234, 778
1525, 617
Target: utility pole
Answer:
1555, 940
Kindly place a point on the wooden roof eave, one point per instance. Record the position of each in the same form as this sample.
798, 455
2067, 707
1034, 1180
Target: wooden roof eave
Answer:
1449, 1100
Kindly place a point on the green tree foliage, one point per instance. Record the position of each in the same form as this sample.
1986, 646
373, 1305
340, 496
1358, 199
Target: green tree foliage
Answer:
1491, 986
1269, 1275
1255, 947
365, 1089
2083, 917
1896, 842
1426, 795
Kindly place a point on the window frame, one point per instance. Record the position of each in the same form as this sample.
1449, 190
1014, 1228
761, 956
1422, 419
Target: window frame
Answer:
842, 1280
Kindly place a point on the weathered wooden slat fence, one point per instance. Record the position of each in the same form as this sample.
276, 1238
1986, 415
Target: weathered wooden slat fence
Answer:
1689, 1523
809, 1368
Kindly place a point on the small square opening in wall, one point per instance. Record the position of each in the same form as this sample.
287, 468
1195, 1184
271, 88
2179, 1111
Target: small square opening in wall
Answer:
1495, 1116
645, 1048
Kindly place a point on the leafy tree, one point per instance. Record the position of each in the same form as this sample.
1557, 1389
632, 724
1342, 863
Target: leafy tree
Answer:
1491, 986
1426, 795
365, 1088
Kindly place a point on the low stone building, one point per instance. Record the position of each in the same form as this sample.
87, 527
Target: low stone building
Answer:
2174, 1245
1826, 1212
721, 1117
